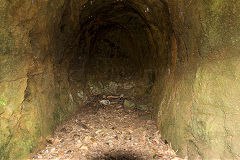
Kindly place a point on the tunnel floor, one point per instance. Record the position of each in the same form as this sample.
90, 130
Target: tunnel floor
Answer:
109, 132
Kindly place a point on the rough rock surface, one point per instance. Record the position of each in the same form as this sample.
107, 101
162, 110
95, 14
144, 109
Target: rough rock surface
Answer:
183, 54
199, 108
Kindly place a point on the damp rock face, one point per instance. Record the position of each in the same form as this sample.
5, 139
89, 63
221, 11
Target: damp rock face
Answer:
181, 57
199, 108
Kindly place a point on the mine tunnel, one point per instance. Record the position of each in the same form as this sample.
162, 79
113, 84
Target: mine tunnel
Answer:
177, 61
115, 50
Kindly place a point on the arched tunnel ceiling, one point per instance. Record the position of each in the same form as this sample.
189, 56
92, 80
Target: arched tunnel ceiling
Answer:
120, 12
132, 15
144, 23
119, 18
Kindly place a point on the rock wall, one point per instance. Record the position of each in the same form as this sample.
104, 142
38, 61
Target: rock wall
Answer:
190, 47
28, 82
199, 110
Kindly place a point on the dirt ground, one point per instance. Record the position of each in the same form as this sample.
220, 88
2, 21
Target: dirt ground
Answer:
108, 132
